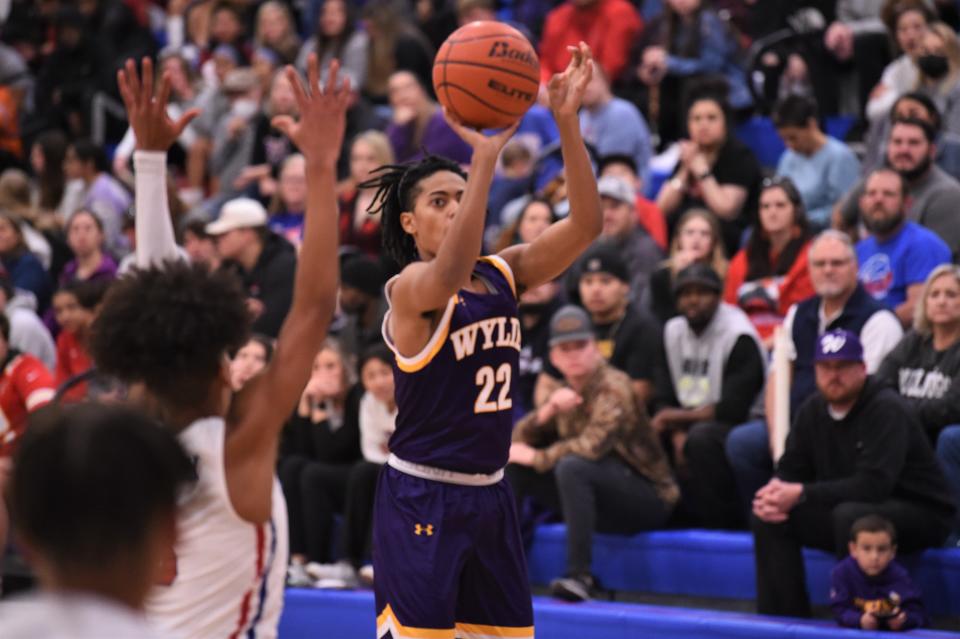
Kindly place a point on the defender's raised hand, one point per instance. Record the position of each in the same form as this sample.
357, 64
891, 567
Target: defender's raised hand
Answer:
147, 107
319, 132
565, 90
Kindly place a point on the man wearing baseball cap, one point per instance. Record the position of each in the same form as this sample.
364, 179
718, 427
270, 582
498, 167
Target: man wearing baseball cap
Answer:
589, 453
711, 372
855, 449
265, 262
627, 338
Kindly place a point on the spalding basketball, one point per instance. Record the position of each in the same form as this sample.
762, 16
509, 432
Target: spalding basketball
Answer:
487, 74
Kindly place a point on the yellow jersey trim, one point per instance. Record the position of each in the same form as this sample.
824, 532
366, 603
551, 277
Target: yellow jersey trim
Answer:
437, 340
503, 267
478, 631
387, 621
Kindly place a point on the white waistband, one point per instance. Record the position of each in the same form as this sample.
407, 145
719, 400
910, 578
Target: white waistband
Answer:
445, 476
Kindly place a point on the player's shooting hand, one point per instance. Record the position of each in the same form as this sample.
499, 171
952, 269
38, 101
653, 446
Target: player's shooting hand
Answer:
480, 143
318, 134
147, 107
565, 90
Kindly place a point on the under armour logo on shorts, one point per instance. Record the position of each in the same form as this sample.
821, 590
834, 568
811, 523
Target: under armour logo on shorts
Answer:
423, 530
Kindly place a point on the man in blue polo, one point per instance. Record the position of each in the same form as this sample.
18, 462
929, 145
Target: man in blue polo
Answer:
855, 449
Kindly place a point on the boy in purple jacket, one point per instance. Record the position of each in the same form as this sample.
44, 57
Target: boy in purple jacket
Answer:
870, 589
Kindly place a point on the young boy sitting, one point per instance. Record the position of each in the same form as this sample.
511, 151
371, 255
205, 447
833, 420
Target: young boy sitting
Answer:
870, 589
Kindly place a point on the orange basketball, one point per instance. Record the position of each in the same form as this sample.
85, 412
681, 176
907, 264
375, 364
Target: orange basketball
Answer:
487, 74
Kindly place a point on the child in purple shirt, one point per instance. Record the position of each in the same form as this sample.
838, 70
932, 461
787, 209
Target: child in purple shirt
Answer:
870, 589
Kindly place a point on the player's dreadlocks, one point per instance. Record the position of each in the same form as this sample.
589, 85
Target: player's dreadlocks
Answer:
397, 187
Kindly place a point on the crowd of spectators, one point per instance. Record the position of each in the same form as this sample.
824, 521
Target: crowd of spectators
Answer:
644, 396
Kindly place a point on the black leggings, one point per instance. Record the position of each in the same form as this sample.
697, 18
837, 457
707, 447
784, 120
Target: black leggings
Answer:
315, 493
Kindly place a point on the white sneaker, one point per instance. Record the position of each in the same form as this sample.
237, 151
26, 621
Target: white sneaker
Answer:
297, 576
366, 575
342, 570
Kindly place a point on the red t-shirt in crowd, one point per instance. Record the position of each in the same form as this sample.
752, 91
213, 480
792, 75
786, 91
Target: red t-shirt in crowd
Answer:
25, 385
72, 360
767, 299
610, 27
651, 218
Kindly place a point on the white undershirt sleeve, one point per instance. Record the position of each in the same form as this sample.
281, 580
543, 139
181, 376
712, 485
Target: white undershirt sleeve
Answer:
156, 241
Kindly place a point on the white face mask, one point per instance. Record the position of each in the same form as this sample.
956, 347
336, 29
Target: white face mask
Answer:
244, 108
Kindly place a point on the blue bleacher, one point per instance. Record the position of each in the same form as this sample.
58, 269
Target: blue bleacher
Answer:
701, 563
348, 615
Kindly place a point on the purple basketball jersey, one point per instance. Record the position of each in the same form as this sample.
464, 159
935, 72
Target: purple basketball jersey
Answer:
455, 398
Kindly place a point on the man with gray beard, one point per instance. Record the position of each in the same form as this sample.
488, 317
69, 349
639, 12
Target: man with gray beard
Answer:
898, 254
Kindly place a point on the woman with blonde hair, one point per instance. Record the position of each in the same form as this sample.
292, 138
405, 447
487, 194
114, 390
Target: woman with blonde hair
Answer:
697, 238
276, 30
939, 78
358, 229
925, 368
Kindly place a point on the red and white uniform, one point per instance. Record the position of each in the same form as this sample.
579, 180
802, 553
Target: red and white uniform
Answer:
230, 573
25, 385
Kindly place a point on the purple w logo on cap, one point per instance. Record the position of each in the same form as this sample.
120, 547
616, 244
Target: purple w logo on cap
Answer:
840, 346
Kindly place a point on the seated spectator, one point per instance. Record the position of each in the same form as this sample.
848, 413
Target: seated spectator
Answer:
25, 386
840, 302
870, 589
200, 246
589, 453
622, 232
854, 449
685, 42
41, 234
358, 229
113, 479
857, 42
418, 125
86, 238
897, 256
232, 139
939, 65
536, 306
627, 339
363, 303
290, 201
770, 275
821, 167
275, 29
47, 154
338, 35
696, 239
711, 370
320, 444
378, 414
28, 333
228, 26
264, 261
650, 217
925, 368
613, 125
931, 192
607, 26
716, 172
907, 21
75, 307
534, 218
102, 193
252, 358
395, 45
25, 270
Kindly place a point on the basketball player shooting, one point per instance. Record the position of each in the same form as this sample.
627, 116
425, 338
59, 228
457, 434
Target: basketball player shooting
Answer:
448, 556
168, 328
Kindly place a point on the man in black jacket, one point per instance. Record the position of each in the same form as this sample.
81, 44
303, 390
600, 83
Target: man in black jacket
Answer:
265, 262
855, 449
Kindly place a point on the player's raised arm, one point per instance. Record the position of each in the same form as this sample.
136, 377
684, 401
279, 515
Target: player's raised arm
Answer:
155, 132
556, 248
428, 285
260, 410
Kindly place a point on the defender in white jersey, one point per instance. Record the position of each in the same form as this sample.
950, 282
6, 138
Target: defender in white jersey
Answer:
168, 327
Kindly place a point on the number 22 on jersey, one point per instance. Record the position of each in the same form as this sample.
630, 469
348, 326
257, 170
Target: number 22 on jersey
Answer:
487, 379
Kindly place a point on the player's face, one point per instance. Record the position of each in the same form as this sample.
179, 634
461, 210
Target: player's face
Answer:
942, 305
434, 207
873, 552
535, 220
377, 379
83, 234
575, 359
833, 270
601, 293
840, 382
249, 361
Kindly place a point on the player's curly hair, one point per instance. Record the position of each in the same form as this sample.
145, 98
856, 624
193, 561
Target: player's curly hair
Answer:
169, 327
397, 187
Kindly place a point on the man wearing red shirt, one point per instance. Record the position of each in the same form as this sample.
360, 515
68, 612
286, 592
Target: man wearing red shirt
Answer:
25, 385
608, 26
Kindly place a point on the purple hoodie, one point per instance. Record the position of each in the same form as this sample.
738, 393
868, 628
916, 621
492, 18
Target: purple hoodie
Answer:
852, 589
